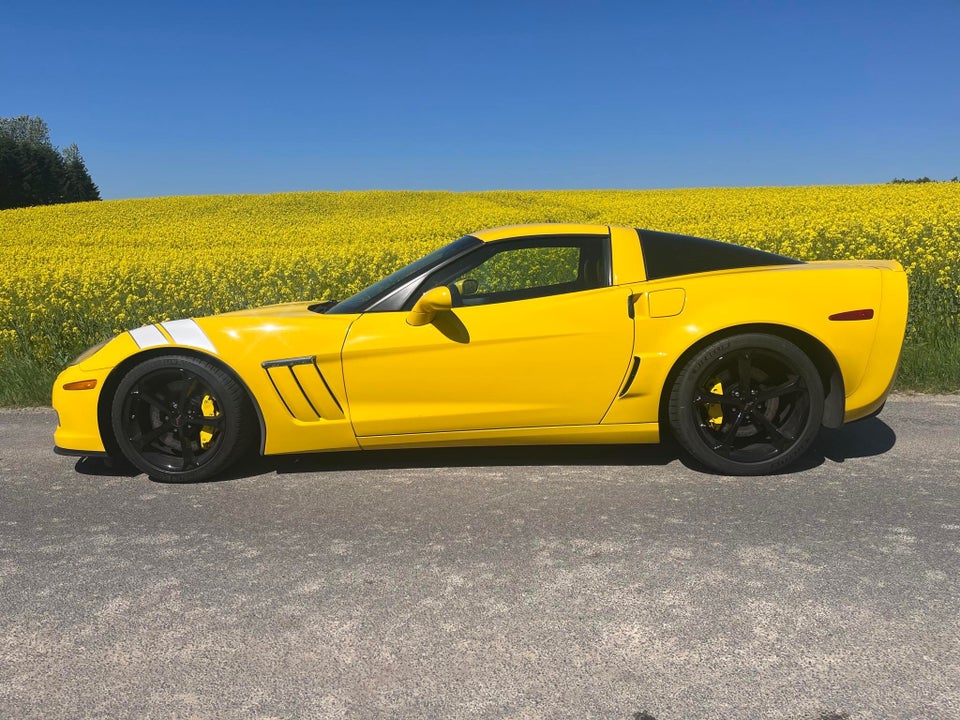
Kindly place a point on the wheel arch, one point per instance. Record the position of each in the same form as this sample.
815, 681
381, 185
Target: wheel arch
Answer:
823, 359
116, 375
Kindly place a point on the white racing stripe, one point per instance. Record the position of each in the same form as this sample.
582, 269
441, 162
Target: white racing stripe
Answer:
187, 332
148, 336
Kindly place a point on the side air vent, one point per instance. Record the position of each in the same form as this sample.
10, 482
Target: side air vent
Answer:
303, 389
631, 377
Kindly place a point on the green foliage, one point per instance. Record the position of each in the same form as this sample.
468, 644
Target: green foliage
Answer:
930, 361
26, 130
25, 381
34, 172
924, 179
77, 185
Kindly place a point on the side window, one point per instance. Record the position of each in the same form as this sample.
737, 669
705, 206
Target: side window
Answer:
524, 268
506, 271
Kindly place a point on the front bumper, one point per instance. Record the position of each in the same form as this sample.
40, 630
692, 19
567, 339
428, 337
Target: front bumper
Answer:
79, 453
78, 427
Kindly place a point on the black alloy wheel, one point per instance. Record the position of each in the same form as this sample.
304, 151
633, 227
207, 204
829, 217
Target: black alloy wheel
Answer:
179, 418
747, 405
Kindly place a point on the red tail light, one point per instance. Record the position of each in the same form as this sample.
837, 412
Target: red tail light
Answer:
853, 315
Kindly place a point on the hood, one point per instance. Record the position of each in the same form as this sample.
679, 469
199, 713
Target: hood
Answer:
290, 309
259, 330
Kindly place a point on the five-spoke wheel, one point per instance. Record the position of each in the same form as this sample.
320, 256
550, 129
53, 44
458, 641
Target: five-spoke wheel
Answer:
180, 418
747, 405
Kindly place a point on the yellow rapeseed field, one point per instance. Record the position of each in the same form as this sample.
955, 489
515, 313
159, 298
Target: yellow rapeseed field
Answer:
73, 274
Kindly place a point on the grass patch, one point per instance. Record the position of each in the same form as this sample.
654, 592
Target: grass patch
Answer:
26, 381
931, 364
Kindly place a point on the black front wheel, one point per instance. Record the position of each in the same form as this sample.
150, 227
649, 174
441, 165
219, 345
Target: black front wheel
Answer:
747, 405
179, 418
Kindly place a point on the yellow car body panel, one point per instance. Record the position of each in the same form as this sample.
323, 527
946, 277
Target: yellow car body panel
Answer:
590, 365
300, 392
243, 341
77, 410
627, 258
544, 362
540, 229
881, 366
794, 297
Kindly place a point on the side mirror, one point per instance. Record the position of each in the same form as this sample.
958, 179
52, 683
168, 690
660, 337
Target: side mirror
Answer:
467, 286
429, 304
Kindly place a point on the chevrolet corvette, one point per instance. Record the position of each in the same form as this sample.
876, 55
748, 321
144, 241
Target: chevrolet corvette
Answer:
533, 334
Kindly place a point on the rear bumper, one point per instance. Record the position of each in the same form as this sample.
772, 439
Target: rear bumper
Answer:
870, 415
881, 370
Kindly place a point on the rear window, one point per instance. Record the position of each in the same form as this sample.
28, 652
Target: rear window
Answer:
668, 254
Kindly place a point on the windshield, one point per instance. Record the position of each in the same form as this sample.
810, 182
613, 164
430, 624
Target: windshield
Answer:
360, 301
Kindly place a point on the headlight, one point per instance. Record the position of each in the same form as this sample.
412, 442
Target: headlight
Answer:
89, 352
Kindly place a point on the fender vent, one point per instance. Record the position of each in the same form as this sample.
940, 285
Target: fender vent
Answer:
303, 389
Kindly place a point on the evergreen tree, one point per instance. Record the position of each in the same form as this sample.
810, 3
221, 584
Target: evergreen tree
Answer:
34, 172
11, 175
77, 185
43, 169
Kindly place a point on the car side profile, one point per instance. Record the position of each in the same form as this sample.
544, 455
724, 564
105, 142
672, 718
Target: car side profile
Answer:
533, 334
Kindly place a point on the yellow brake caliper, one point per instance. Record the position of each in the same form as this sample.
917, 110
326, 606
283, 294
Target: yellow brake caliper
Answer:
714, 410
209, 409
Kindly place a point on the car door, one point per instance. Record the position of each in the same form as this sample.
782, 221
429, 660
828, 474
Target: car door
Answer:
537, 337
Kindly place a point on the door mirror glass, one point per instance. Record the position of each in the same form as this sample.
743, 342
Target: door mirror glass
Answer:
467, 287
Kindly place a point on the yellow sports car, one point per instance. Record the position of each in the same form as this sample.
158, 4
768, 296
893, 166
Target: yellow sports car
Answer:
534, 334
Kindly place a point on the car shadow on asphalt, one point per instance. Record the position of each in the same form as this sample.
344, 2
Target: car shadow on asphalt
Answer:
510, 456
105, 467
517, 456
866, 438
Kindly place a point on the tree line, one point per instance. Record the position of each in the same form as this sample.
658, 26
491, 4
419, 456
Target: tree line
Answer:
924, 179
35, 172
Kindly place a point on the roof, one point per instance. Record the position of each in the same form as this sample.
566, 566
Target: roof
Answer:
531, 230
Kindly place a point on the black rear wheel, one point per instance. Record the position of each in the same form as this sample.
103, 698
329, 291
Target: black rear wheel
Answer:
747, 405
179, 418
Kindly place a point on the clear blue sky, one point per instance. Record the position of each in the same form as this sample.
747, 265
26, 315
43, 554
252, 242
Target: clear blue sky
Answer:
225, 96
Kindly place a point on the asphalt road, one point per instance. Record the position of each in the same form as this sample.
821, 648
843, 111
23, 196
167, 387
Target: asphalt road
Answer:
549, 583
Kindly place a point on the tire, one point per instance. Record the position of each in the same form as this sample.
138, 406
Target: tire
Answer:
180, 419
747, 405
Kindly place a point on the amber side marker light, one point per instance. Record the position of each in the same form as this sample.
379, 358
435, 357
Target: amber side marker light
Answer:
81, 385
853, 315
